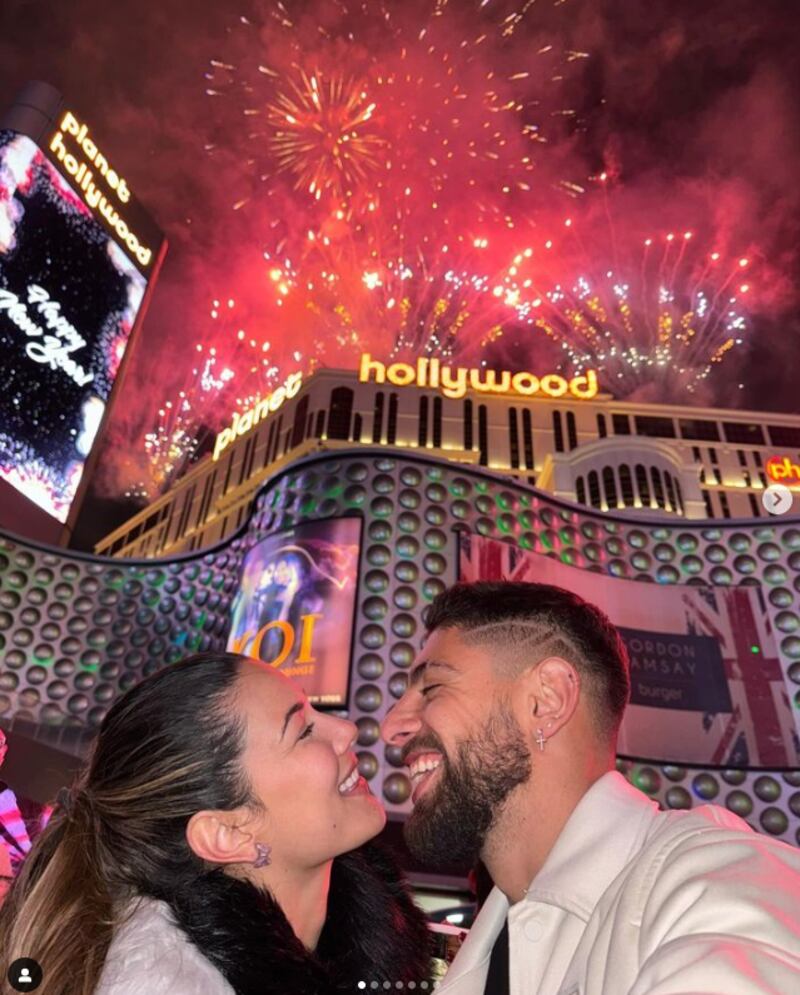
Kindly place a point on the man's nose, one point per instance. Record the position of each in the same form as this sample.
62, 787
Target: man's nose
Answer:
402, 722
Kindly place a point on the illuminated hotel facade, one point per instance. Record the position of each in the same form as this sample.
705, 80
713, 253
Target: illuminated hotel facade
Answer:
645, 460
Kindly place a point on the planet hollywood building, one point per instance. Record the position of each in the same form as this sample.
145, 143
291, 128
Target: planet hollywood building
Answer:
440, 474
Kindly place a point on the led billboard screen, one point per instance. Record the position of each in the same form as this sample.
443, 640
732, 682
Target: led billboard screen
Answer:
295, 605
69, 297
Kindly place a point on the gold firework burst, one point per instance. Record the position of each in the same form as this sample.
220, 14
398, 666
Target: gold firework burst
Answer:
323, 132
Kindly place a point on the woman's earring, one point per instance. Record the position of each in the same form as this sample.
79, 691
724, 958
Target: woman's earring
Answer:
263, 857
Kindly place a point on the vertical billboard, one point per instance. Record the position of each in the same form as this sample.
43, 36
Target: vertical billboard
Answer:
296, 602
706, 681
76, 257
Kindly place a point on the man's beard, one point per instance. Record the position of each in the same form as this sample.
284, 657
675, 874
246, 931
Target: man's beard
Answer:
449, 824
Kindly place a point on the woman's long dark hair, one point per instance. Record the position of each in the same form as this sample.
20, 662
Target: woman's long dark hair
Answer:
167, 749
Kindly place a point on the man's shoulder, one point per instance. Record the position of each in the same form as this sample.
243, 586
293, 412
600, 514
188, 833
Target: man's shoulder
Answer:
708, 842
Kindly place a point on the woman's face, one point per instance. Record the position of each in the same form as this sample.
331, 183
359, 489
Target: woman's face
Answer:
298, 762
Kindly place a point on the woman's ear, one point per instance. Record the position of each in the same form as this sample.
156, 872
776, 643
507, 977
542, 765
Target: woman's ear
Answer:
220, 837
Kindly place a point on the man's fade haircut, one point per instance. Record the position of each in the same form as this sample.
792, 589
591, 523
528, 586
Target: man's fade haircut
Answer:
525, 623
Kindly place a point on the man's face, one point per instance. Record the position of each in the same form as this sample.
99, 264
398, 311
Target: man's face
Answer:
464, 748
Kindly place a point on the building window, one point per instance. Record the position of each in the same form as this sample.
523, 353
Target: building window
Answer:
742, 432
513, 438
762, 477
679, 495
717, 475
594, 489
580, 490
300, 415
341, 412
391, 428
310, 426
712, 453
319, 428
742, 457
621, 424
422, 435
654, 427
670, 491
228, 473
558, 432
748, 480
357, 426
610, 487
784, 435
707, 503
693, 428
278, 429
602, 431
658, 487
468, 424
572, 434
377, 417
527, 438
642, 485
723, 503
626, 485
483, 436
437, 422
696, 454
755, 511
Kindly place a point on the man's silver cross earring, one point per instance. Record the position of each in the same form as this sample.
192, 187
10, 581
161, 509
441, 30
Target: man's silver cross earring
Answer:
540, 740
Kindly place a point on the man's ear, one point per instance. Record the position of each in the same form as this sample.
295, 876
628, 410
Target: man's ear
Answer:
553, 695
221, 837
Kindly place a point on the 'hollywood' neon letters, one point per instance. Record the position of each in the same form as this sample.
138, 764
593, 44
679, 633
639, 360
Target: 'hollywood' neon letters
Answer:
455, 381
242, 424
84, 176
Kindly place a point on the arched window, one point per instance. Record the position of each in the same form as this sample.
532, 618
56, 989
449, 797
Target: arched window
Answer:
391, 429
558, 432
670, 490
483, 435
341, 411
610, 487
437, 422
572, 434
377, 417
357, 426
658, 487
626, 485
513, 438
468, 424
422, 436
300, 416
527, 437
642, 485
580, 490
594, 489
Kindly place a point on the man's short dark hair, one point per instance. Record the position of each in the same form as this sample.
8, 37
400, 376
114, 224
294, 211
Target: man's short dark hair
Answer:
528, 622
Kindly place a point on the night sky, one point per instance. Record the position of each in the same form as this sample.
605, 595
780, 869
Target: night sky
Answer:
678, 101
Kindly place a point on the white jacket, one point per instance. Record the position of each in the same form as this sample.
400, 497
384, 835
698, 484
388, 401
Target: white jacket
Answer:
150, 955
633, 901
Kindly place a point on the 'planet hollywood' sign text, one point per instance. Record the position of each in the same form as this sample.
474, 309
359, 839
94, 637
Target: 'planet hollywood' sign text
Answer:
455, 381
242, 423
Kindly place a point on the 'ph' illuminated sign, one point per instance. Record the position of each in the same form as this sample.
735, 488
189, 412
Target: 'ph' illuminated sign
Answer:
781, 470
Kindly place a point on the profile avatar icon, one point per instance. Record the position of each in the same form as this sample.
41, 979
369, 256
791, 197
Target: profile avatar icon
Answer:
25, 974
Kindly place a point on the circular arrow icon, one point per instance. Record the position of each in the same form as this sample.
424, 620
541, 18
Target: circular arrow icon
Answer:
777, 499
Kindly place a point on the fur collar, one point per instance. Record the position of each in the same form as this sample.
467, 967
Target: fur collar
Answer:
373, 932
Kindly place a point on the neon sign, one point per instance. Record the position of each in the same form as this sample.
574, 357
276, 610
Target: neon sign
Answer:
454, 382
104, 190
782, 470
243, 423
